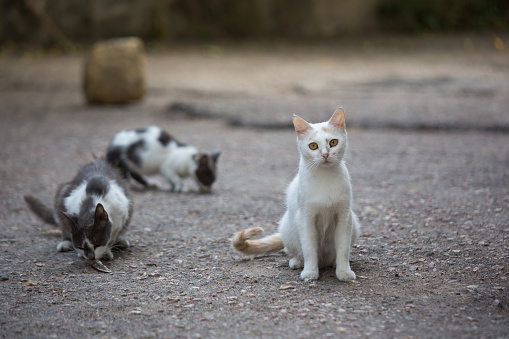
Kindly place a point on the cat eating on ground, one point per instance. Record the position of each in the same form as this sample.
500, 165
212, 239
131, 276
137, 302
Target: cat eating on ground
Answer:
93, 212
151, 150
319, 226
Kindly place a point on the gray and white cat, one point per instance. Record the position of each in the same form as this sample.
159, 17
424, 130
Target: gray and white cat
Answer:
151, 150
93, 211
319, 227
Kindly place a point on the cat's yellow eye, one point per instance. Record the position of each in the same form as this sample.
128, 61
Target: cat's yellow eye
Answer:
333, 142
313, 145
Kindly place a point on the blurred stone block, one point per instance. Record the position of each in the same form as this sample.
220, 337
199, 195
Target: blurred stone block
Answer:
115, 72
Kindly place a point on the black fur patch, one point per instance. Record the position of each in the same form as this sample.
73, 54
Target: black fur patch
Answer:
86, 217
132, 152
114, 155
140, 130
98, 186
164, 138
204, 173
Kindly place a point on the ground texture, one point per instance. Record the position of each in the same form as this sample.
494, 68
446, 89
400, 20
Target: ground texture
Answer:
428, 126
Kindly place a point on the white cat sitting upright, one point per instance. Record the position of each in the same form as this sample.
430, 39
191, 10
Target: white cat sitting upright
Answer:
319, 226
151, 150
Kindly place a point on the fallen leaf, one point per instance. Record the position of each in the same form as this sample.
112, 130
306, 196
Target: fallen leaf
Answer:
286, 287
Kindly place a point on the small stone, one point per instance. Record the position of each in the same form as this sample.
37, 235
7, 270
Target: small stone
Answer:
4, 275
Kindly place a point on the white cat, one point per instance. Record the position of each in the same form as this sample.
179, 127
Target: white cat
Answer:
151, 150
319, 227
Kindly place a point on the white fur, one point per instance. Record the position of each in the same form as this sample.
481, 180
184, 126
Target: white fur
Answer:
178, 165
319, 226
115, 203
173, 162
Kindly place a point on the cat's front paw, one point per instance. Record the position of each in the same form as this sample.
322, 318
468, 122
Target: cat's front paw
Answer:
345, 275
177, 188
123, 243
309, 275
64, 246
295, 264
108, 255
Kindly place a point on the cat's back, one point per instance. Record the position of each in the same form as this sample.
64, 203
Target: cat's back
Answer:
98, 181
130, 136
99, 169
150, 137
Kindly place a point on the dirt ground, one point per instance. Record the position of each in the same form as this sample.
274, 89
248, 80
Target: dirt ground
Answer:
428, 125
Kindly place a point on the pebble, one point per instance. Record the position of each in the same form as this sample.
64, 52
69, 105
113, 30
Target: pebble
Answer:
4, 275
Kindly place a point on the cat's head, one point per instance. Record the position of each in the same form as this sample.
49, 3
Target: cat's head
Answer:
206, 169
322, 144
90, 235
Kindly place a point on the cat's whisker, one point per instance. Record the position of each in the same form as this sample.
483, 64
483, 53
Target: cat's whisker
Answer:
293, 173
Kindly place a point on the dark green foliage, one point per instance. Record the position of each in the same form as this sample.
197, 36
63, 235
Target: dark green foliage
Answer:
440, 15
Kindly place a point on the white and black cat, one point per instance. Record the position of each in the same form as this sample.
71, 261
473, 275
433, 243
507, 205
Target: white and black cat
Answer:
319, 226
93, 211
151, 150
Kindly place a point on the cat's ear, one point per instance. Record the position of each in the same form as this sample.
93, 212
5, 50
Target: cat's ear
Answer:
215, 156
69, 222
101, 215
301, 125
200, 159
338, 119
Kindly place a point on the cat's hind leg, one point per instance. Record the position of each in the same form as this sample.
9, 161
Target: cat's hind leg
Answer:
291, 241
140, 179
296, 263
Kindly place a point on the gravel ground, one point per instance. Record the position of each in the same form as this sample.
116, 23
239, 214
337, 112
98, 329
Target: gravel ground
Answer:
432, 261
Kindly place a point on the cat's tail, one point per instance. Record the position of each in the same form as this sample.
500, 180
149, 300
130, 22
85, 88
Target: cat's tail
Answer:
115, 156
41, 210
270, 243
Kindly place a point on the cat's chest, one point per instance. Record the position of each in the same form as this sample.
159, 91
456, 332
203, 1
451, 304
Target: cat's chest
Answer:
326, 191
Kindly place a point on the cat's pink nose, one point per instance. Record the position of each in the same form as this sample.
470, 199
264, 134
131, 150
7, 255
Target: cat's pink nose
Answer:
325, 155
